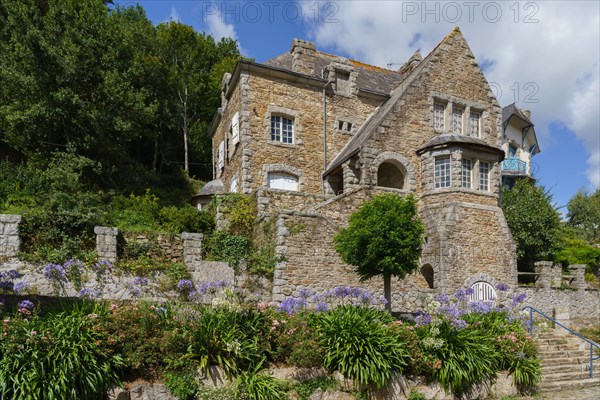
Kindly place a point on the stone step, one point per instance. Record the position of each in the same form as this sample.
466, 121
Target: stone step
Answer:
563, 376
557, 347
550, 369
562, 360
548, 385
563, 353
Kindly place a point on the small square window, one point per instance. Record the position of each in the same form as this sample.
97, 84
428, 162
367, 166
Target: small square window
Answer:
484, 173
282, 129
467, 173
442, 172
341, 125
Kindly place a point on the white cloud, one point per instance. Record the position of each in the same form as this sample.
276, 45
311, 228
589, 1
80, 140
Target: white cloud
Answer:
219, 28
174, 16
550, 52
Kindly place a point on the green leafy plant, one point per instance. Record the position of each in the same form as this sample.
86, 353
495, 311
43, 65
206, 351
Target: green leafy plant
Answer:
294, 340
58, 357
181, 384
258, 386
360, 345
305, 389
228, 247
384, 237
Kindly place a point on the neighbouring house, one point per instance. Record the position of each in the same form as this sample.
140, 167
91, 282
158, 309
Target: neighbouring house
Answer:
313, 135
520, 145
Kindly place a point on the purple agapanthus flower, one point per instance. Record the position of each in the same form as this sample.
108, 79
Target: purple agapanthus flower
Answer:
140, 281
21, 287
443, 298
88, 293
423, 319
185, 285
458, 324
26, 304
481, 307
502, 287
55, 273
292, 305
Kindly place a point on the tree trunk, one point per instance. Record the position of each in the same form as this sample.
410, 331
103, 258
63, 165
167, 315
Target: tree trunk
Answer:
185, 131
387, 291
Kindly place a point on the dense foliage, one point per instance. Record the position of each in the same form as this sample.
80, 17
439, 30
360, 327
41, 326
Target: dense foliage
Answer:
384, 237
455, 342
584, 215
533, 222
100, 114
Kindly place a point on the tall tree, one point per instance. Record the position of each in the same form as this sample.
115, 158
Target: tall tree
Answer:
533, 222
384, 237
584, 214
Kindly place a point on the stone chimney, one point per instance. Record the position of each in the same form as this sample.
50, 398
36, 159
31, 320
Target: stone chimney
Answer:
411, 64
303, 57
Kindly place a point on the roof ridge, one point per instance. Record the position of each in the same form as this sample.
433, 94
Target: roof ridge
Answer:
360, 63
366, 129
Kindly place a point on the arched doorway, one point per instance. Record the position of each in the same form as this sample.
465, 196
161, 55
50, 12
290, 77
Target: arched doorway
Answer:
428, 274
483, 291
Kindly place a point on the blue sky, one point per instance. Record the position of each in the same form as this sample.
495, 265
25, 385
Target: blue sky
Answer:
542, 55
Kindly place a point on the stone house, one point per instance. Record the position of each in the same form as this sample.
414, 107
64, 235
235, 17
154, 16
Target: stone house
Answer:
313, 135
520, 145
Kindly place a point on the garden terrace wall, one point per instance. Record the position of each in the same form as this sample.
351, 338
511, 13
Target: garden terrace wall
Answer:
170, 244
9, 235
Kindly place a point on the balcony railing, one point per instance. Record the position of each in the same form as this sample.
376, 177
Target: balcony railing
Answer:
514, 165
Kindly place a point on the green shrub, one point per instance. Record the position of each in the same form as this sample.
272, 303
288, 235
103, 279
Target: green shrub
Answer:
230, 338
181, 384
225, 246
143, 335
186, 219
294, 340
360, 345
257, 386
305, 389
57, 357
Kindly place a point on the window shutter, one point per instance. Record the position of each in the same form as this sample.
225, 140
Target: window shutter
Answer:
221, 156
235, 128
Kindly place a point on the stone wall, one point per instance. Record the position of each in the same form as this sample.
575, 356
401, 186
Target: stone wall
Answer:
581, 306
171, 245
9, 235
271, 201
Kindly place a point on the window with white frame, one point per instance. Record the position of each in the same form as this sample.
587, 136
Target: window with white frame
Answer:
233, 188
442, 172
484, 176
438, 116
281, 180
467, 173
282, 129
235, 128
474, 123
457, 120
221, 156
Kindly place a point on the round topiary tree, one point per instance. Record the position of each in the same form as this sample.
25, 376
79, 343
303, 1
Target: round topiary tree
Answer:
384, 237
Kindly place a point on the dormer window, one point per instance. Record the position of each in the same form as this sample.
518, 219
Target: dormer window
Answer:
342, 82
282, 129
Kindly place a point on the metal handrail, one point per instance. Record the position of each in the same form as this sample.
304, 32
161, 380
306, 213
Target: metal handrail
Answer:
592, 344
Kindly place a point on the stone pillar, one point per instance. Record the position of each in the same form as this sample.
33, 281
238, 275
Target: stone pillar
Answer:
561, 315
9, 235
556, 276
106, 243
578, 273
544, 269
192, 248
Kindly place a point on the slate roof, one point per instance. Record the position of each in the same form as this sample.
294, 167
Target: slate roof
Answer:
211, 188
369, 77
511, 110
451, 138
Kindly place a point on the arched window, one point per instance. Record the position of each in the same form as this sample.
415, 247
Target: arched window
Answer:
391, 174
281, 180
427, 272
483, 291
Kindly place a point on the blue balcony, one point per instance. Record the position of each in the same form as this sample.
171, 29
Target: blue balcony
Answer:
514, 166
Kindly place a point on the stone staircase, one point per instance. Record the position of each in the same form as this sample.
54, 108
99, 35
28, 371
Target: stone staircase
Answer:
565, 362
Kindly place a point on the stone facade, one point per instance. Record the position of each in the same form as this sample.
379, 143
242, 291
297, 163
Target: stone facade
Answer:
433, 130
9, 235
